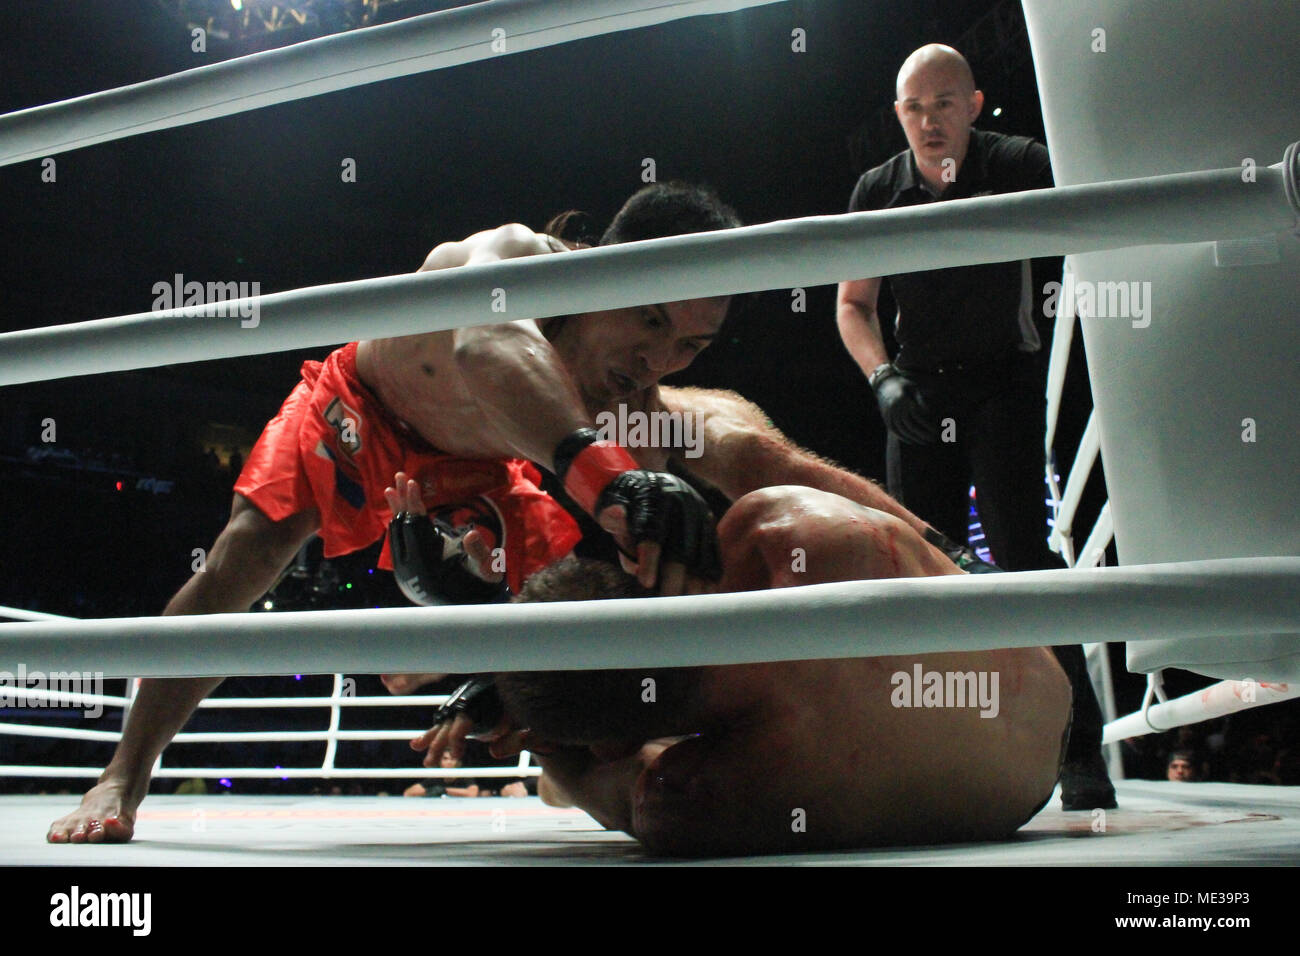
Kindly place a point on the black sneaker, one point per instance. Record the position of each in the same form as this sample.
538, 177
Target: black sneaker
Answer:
1085, 785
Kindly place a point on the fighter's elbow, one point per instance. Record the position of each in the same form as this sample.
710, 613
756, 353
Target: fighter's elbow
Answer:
482, 349
445, 255
512, 241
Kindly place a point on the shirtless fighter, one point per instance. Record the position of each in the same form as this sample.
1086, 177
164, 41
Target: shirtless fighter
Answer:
793, 756
463, 413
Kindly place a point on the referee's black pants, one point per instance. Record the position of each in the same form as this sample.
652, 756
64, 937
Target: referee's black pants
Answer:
994, 415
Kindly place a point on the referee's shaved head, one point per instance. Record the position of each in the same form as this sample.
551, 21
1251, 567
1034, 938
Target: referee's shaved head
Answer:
935, 58
937, 103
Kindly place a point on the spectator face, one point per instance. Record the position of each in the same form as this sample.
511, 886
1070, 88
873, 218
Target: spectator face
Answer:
1181, 770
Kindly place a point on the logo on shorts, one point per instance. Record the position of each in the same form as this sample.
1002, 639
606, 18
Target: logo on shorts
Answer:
346, 422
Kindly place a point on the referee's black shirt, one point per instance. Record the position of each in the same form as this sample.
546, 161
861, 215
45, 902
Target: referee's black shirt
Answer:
970, 313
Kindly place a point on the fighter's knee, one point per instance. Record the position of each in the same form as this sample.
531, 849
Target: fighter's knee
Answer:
259, 541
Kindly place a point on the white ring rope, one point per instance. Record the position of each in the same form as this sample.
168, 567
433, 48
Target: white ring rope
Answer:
77, 699
1222, 598
1185, 207
18, 614
256, 703
64, 698
1217, 700
19, 695
216, 737
1094, 549
331, 736
12, 695
292, 773
1155, 688
428, 42
1059, 363
1066, 507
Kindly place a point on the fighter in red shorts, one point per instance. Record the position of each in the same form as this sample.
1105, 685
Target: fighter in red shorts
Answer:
474, 404
334, 447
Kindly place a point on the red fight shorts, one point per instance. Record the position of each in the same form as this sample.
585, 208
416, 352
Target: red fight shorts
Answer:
333, 447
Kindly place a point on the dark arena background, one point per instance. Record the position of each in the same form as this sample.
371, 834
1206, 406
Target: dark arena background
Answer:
109, 483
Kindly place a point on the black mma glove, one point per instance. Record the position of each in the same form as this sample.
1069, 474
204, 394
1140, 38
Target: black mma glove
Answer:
660, 507
432, 568
664, 508
478, 700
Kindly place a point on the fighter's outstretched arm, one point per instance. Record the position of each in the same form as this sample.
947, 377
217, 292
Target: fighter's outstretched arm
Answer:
526, 392
519, 382
742, 451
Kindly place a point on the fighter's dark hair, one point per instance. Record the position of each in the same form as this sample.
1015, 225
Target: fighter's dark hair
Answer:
669, 209
573, 225
654, 212
584, 707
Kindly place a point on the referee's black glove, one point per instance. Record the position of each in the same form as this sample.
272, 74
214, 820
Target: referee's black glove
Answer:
903, 408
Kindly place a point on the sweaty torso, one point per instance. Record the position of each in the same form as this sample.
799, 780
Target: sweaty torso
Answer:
787, 535
839, 740
416, 378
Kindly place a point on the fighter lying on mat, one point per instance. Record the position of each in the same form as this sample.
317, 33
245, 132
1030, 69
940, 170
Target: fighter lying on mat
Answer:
797, 755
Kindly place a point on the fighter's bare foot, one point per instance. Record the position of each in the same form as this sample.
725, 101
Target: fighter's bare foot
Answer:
105, 816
